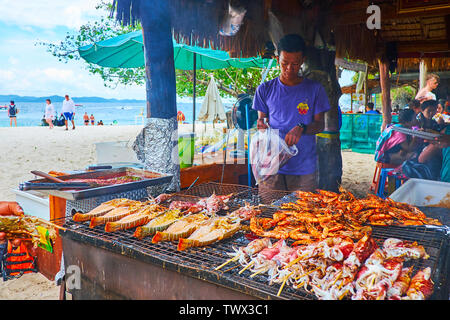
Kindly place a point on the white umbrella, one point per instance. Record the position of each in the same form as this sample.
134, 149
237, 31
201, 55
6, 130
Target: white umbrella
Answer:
212, 107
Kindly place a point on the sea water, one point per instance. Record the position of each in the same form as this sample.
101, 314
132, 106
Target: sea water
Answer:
111, 113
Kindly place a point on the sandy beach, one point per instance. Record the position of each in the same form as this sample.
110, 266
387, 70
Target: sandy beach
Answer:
39, 148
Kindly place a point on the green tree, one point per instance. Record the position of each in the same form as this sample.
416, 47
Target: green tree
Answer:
231, 81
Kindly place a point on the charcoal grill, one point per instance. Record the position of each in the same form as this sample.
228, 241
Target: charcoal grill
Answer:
150, 179
191, 273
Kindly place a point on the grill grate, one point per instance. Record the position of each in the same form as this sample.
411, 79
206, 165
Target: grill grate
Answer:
200, 262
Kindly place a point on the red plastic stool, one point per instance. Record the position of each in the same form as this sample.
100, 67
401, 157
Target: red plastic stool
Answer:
376, 174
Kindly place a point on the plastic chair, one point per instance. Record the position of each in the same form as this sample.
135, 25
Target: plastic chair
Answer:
376, 175
384, 175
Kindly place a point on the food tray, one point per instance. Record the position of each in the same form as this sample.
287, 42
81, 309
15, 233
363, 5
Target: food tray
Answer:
150, 179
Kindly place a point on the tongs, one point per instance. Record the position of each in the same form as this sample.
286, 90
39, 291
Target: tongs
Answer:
58, 184
53, 185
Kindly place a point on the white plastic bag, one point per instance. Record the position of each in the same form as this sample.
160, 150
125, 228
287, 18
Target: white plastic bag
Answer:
268, 153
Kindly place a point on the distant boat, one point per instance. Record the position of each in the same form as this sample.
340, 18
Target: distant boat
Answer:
3, 107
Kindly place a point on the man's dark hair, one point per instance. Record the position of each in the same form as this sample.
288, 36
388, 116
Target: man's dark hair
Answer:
428, 104
406, 115
414, 104
291, 43
370, 105
11, 102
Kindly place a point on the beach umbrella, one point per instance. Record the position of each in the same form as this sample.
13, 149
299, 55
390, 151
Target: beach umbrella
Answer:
127, 51
212, 107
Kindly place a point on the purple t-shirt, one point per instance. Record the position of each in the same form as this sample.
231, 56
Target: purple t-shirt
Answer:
285, 107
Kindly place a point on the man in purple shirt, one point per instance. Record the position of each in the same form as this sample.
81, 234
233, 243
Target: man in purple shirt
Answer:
295, 106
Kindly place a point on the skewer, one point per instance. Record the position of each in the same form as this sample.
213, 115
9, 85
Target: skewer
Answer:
258, 272
295, 261
335, 280
247, 266
343, 295
232, 268
305, 274
236, 257
284, 282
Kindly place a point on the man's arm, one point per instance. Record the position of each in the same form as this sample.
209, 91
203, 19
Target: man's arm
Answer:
315, 127
260, 124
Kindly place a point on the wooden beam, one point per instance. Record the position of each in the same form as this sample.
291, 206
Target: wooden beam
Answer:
385, 85
423, 46
349, 15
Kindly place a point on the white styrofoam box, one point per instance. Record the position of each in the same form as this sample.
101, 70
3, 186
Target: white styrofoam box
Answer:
33, 204
117, 151
420, 192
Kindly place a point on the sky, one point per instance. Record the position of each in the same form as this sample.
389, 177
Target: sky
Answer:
27, 69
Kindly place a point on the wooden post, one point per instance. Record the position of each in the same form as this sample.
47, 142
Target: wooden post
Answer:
159, 62
385, 85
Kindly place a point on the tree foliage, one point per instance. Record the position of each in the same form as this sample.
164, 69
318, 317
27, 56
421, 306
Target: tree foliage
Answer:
230, 81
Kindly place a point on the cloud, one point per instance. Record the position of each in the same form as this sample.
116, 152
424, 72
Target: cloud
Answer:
48, 14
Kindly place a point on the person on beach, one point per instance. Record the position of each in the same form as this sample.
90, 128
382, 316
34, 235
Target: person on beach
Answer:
394, 147
68, 109
370, 109
425, 93
100, 123
294, 106
49, 113
425, 118
86, 119
12, 113
415, 105
92, 120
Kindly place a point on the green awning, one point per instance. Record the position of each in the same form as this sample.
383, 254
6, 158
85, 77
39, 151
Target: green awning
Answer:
127, 51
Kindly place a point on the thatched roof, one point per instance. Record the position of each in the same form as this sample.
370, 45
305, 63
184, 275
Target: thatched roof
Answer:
408, 31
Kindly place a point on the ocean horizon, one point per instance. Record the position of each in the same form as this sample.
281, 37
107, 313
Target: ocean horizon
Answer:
113, 113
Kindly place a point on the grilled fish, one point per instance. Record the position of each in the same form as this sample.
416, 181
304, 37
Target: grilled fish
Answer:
138, 218
118, 213
101, 209
158, 223
182, 228
212, 230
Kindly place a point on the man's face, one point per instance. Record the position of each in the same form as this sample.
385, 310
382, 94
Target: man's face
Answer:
67, 97
433, 83
290, 64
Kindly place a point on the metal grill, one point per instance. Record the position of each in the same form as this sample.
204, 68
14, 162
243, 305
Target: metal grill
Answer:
200, 262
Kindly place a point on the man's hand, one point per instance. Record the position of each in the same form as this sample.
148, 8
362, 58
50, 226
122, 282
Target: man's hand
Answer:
293, 136
442, 141
10, 208
260, 124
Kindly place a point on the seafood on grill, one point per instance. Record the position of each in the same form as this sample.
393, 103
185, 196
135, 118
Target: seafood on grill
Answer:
26, 227
244, 254
118, 213
159, 223
401, 285
211, 204
163, 197
245, 213
360, 271
421, 286
180, 205
399, 248
210, 231
102, 209
181, 228
138, 218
